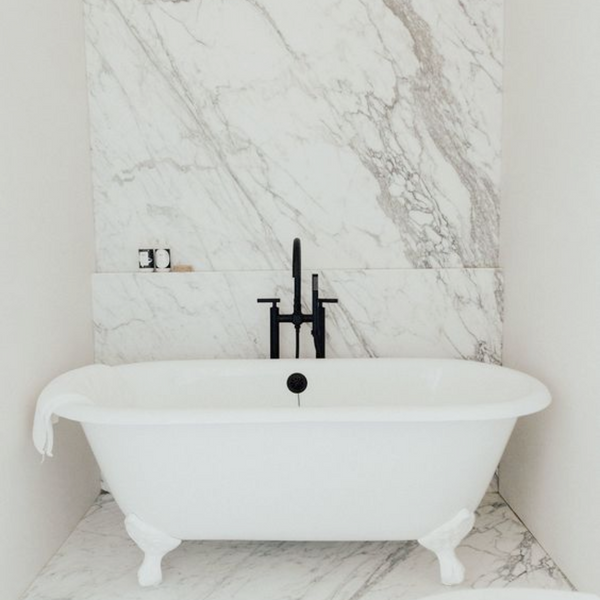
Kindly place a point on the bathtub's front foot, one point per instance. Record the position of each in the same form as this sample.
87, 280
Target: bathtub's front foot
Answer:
443, 542
154, 544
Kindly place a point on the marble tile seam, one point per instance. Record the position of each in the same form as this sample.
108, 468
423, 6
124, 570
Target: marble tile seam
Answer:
304, 268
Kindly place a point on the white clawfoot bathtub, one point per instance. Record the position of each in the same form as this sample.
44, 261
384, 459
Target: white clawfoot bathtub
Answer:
373, 449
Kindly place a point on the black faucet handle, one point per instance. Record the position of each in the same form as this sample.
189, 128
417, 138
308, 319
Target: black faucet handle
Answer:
273, 301
315, 289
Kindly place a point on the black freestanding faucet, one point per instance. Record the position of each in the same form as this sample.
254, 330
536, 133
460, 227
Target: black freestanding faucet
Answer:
297, 317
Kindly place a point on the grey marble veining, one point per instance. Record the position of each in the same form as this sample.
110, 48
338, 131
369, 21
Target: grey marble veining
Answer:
369, 129
99, 561
452, 313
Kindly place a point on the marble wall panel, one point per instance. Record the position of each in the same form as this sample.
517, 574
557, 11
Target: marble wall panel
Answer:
454, 313
226, 128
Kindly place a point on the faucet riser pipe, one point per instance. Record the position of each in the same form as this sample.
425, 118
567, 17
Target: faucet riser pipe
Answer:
274, 331
297, 275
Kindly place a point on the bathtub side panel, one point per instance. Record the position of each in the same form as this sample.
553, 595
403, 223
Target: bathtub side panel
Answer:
299, 481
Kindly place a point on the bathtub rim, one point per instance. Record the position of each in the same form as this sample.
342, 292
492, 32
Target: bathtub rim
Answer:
77, 407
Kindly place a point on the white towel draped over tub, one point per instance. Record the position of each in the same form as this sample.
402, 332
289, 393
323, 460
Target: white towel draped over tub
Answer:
81, 387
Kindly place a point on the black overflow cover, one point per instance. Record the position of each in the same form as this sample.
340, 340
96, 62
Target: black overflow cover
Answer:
297, 383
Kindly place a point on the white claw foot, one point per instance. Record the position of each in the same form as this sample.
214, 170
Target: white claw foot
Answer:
443, 542
154, 544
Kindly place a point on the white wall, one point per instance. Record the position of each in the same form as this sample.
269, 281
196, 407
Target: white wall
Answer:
550, 250
46, 250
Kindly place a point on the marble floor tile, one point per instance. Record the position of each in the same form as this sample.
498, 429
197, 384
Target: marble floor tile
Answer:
99, 562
